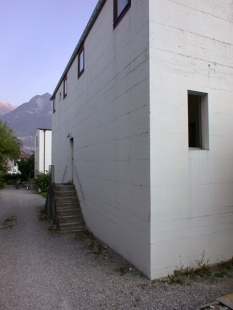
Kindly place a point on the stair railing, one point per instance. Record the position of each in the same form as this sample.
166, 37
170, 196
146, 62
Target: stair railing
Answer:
50, 205
64, 174
79, 183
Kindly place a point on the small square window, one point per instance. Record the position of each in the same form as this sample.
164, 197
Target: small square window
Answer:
120, 8
198, 125
81, 62
65, 87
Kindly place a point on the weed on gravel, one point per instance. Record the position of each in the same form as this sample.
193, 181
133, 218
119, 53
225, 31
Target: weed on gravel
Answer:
103, 252
90, 242
203, 273
9, 222
42, 216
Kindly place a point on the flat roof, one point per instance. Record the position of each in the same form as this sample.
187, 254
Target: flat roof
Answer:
44, 129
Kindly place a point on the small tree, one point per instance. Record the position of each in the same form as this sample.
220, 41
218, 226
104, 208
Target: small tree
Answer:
26, 167
9, 145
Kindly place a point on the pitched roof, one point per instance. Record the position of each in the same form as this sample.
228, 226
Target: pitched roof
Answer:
24, 155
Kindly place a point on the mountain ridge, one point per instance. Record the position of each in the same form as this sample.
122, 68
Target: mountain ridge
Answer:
26, 118
6, 107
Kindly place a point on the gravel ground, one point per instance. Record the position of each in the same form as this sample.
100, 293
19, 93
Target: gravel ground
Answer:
43, 269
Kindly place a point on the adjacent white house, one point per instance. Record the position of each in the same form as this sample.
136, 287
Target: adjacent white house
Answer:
43, 145
12, 167
143, 126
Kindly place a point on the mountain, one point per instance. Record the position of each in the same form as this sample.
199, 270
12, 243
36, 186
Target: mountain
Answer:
6, 107
25, 119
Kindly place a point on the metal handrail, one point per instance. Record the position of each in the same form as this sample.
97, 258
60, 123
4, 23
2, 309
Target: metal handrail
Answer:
64, 174
50, 204
79, 183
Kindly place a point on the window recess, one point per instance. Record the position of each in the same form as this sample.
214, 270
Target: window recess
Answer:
65, 87
81, 62
120, 9
198, 120
54, 105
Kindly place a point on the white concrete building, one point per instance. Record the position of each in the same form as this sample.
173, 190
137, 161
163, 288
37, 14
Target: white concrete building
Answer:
143, 126
43, 148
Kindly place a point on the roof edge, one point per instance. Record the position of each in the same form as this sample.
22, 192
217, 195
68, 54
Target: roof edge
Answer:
84, 35
44, 129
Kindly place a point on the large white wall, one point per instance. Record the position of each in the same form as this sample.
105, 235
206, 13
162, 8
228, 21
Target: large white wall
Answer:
191, 48
106, 111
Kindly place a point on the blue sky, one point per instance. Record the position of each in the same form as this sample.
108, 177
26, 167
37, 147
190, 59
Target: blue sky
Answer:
37, 38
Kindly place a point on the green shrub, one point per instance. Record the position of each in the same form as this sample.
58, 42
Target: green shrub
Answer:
42, 181
11, 182
10, 179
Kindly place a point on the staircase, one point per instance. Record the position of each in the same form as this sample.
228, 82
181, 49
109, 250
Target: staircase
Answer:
69, 214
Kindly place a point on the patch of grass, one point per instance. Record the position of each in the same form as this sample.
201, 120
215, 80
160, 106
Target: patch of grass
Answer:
182, 275
43, 194
54, 231
42, 216
136, 302
219, 275
143, 285
91, 245
9, 222
203, 269
226, 265
99, 248
94, 245
121, 270
83, 235
176, 277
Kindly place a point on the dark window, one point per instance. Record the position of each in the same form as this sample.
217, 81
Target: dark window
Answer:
81, 62
65, 87
120, 8
198, 131
194, 118
54, 105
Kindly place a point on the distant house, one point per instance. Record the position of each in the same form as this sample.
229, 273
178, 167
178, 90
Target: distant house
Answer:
12, 165
143, 126
43, 139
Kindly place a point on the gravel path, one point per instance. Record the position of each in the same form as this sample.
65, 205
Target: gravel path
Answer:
44, 269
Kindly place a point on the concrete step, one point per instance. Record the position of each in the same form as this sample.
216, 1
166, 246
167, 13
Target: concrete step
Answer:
65, 194
71, 219
66, 200
62, 187
69, 212
67, 205
71, 227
